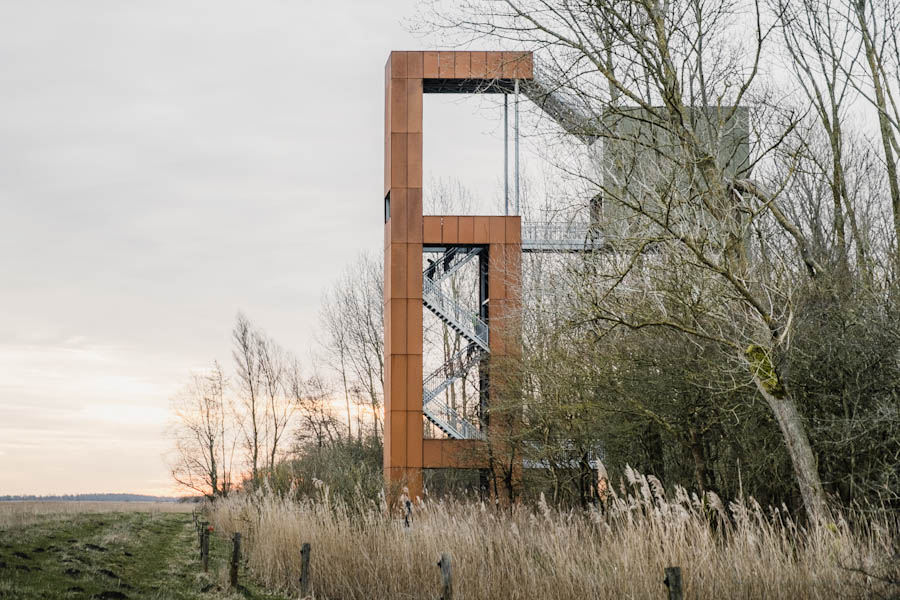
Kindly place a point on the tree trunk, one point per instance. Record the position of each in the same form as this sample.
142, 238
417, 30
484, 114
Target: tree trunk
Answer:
653, 442
698, 453
887, 135
806, 471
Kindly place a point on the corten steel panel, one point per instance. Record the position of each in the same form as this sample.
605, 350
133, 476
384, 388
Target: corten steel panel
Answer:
399, 380
494, 69
387, 164
392, 475
413, 478
478, 68
414, 380
398, 435
497, 273
414, 105
462, 65
467, 230
509, 64
414, 65
413, 273
504, 321
513, 230
482, 230
431, 70
399, 103
507, 338
432, 454
471, 65
431, 231
387, 279
446, 65
399, 215
414, 160
398, 65
399, 277
387, 128
414, 325
498, 230
460, 454
513, 273
398, 325
451, 230
387, 334
399, 164
414, 434
414, 214
525, 66
385, 457
496, 284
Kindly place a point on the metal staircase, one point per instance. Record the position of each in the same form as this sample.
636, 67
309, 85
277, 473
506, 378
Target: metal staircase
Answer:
453, 259
467, 324
560, 106
436, 409
459, 318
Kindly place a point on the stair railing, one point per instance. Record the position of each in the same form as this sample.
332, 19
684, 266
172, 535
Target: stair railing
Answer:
456, 367
451, 422
461, 257
469, 324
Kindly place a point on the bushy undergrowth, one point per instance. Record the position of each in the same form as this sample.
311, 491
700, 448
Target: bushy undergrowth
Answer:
353, 471
735, 551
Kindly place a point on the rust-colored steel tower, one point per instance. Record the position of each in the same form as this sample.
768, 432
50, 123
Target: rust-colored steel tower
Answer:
494, 241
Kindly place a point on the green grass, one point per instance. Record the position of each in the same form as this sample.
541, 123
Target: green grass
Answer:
116, 555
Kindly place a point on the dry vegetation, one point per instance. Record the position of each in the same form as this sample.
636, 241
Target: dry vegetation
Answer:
741, 551
14, 514
111, 550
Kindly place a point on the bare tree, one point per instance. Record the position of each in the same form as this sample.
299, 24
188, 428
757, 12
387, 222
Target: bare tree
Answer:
665, 86
272, 361
353, 344
252, 408
202, 459
311, 397
878, 23
819, 43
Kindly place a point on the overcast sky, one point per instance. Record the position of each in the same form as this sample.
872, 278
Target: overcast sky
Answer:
164, 164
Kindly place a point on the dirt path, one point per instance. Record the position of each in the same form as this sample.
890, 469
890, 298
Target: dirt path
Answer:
110, 556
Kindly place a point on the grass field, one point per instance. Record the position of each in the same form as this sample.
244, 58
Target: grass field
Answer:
108, 551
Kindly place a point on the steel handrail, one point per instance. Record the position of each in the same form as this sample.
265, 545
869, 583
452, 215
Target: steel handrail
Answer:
451, 421
478, 332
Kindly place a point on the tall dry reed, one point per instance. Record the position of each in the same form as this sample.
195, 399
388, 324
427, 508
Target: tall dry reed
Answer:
738, 551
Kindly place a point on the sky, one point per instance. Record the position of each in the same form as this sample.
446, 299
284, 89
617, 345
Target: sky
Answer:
164, 165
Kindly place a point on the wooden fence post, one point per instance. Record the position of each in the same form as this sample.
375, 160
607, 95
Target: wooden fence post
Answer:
199, 526
235, 558
204, 549
446, 577
673, 582
304, 570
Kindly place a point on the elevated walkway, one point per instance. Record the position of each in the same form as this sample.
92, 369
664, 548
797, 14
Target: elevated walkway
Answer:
561, 237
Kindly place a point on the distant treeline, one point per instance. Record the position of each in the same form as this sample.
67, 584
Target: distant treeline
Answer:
95, 498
